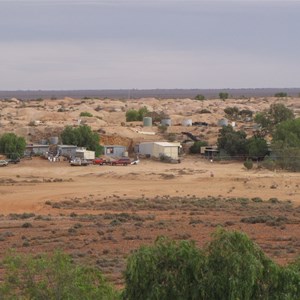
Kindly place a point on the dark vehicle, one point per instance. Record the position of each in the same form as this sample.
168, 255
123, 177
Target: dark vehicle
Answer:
99, 161
124, 161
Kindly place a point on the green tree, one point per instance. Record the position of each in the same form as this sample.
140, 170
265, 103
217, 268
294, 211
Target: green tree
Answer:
12, 145
195, 148
257, 147
280, 95
142, 112
200, 97
276, 114
232, 112
288, 133
167, 270
132, 115
286, 145
82, 136
52, 277
238, 269
223, 95
232, 142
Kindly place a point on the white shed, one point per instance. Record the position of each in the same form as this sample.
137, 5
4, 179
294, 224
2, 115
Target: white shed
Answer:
85, 154
156, 149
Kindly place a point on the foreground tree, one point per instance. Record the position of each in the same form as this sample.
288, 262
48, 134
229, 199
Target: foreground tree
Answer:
52, 277
12, 145
237, 268
82, 136
230, 267
167, 270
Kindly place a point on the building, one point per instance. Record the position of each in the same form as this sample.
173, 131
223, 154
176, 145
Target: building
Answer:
158, 149
36, 149
115, 150
209, 151
67, 150
85, 154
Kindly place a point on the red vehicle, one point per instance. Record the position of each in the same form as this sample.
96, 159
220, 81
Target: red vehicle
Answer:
124, 161
99, 161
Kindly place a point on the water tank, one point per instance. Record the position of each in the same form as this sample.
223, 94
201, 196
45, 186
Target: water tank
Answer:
223, 122
53, 140
147, 121
166, 122
187, 122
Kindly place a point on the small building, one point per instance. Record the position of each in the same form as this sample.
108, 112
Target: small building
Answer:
67, 150
157, 149
85, 154
115, 150
36, 149
209, 151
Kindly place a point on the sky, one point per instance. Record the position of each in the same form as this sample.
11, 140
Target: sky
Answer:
149, 44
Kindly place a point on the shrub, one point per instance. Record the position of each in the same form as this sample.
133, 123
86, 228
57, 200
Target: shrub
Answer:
248, 164
200, 97
85, 114
223, 95
195, 148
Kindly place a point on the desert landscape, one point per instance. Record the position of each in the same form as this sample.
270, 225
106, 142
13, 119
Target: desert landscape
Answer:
99, 214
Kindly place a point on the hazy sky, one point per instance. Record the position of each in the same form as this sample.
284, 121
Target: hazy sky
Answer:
112, 44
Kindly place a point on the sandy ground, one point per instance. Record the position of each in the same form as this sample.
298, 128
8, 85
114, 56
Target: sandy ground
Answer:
29, 188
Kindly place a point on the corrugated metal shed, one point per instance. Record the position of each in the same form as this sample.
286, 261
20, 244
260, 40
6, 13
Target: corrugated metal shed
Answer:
114, 150
156, 149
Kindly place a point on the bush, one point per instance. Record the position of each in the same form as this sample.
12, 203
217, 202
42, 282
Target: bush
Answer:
85, 114
248, 164
200, 97
136, 115
223, 95
280, 95
195, 148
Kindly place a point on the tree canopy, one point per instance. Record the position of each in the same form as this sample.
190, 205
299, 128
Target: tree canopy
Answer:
233, 142
230, 267
82, 136
223, 95
12, 145
276, 114
136, 115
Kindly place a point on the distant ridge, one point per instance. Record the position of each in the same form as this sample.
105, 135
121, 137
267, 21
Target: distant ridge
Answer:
146, 93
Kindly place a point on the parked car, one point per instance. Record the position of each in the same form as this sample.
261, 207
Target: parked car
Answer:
79, 162
99, 161
3, 163
124, 161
